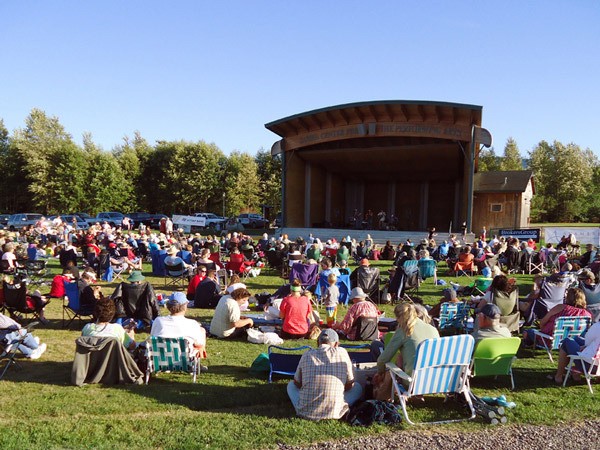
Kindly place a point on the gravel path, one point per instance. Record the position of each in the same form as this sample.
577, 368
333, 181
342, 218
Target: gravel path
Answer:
508, 437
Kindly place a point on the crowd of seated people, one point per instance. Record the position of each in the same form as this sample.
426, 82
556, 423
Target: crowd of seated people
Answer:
553, 296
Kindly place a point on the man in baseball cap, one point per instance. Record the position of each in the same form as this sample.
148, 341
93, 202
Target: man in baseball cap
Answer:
488, 321
323, 386
177, 325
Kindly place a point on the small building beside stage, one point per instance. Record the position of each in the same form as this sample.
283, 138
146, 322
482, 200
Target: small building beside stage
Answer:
502, 199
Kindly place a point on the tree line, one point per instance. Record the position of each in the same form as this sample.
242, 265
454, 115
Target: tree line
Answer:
45, 170
566, 179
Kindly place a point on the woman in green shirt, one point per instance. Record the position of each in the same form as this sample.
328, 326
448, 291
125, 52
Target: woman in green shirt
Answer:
410, 333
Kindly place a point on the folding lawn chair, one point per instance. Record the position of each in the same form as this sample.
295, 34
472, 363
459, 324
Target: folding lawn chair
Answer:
343, 284
564, 327
453, 316
495, 356
175, 275
427, 269
284, 360
72, 309
35, 270
410, 281
171, 355
15, 300
10, 346
306, 273
441, 367
589, 366
534, 263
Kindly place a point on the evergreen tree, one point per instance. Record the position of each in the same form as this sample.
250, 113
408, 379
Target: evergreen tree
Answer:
512, 157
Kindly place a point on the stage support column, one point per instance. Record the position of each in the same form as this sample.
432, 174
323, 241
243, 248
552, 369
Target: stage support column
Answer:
328, 183
391, 200
307, 191
457, 192
424, 204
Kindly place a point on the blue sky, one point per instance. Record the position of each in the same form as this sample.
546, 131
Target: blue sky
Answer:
220, 70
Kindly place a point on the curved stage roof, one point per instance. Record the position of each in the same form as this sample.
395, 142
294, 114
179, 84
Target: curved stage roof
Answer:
387, 135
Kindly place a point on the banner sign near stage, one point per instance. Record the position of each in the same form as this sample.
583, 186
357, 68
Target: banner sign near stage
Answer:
584, 235
522, 233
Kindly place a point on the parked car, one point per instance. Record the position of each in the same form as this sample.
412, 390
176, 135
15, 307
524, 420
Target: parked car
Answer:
18, 221
4, 220
114, 219
68, 218
141, 217
85, 216
212, 220
251, 220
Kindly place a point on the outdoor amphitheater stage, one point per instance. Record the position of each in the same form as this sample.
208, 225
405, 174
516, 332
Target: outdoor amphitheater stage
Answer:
378, 236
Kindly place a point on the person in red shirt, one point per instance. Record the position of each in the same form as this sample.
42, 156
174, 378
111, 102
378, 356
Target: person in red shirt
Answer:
295, 311
57, 289
195, 281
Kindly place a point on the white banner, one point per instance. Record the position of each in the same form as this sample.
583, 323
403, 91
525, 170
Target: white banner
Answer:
182, 221
584, 235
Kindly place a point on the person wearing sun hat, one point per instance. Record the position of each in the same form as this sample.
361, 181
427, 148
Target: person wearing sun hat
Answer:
177, 325
173, 260
323, 385
360, 322
138, 299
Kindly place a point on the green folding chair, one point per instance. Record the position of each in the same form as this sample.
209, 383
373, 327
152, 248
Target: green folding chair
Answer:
171, 355
495, 356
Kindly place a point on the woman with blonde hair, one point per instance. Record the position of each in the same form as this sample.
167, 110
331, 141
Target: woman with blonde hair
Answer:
410, 333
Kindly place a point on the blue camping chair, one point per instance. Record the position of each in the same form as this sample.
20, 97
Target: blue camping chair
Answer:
73, 309
427, 269
441, 367
186, 256
158, 262
343, 284
32, 253
283, 361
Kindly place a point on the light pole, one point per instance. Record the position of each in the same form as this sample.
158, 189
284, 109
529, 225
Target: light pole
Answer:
223, 204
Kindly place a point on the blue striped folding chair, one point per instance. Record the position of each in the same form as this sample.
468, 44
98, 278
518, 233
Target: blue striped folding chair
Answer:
441, 367
564, 327
171, 355
453, 315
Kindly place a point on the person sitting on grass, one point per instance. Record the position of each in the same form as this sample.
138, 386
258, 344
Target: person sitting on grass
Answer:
11, 331
177, 325
104, 312
488, 321
199, 275
360, 322
227, 321
295, 311
323, 385
448, 296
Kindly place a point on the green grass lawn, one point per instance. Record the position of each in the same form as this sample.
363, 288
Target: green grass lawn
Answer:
227, 408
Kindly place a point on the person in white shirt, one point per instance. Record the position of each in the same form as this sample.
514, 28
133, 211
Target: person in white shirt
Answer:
177, 325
